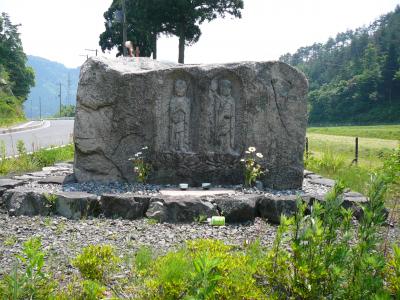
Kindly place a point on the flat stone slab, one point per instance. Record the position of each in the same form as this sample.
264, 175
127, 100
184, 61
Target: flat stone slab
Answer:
52, 180
75, 205
237, 209
56, 169
26, 202
64, 165
27, 177
39, 174
308, 173
11, 183
271, 207
196, 192
313, 176
323, 181
180, 209
124, 206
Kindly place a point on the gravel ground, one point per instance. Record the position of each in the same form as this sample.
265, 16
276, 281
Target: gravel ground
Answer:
62, 239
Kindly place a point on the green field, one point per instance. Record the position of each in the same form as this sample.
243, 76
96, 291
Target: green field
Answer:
332, 150
371, 150
386, 132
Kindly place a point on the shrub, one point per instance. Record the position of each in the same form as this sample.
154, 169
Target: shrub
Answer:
27, 279
393, 272
204, 269
96, 262
81, 290
169, 277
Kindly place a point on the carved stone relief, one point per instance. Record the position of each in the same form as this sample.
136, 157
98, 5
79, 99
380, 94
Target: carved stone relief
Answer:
197, 120
224, 106
179, 118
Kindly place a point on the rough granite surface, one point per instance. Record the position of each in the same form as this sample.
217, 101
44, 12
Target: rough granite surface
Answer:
196, 120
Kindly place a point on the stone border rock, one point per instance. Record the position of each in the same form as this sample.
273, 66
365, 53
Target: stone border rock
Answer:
20, 198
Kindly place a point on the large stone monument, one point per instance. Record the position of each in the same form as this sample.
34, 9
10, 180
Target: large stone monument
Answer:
197, 120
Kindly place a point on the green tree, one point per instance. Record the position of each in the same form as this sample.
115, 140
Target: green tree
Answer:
66, 111
148, 19
186, 16
142, 26
13, 59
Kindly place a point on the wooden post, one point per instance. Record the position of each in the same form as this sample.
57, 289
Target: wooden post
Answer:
356, 152
306, 147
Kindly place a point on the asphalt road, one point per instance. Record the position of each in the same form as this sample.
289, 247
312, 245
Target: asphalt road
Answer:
53, 133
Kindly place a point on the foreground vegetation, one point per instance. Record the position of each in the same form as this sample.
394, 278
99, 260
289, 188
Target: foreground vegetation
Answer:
32, 162
321, 254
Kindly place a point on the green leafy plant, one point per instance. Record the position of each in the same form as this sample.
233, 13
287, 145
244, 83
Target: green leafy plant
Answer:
200, 219
28, 280
143, 259
393, 272
3, 157
96, 262
152, 221
21, 149
92, 290
252, 169
10, 240
141, 167
51, 200
169, 277
206, 277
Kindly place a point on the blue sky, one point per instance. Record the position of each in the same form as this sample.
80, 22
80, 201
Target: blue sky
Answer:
61, 30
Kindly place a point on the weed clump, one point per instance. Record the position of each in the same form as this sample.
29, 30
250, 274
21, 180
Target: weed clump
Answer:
96, 262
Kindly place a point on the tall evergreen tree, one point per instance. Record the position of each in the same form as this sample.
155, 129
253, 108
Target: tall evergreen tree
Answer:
13, 60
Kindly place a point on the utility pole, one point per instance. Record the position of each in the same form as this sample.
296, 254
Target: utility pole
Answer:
40, 108
124, 28
68, 89
60, 99
94, 50
31, 108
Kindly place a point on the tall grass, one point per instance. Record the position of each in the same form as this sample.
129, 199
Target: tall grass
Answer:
371, 150
334, 165
25, 162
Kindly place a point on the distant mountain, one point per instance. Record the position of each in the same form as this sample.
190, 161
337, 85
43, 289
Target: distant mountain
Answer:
48, 76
